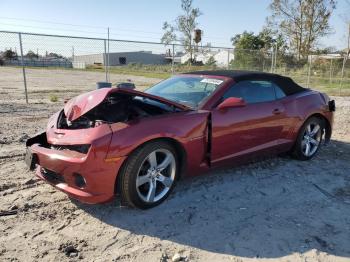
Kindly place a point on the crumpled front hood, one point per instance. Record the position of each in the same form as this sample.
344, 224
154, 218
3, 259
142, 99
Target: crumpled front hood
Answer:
83, 103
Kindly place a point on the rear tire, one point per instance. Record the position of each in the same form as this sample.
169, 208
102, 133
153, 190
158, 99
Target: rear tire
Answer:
309, 139
149, 175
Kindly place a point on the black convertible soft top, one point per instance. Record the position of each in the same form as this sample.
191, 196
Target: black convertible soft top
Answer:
288, 86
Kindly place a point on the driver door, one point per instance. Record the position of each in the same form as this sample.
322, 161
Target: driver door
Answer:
247, 131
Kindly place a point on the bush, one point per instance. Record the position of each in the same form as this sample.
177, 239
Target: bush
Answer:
135, 65
211, 61
95, 66
53, 98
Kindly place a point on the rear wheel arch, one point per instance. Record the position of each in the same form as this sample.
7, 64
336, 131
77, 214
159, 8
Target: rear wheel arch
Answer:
326, 125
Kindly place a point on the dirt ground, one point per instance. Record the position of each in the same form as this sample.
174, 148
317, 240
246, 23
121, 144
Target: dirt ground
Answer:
279, 209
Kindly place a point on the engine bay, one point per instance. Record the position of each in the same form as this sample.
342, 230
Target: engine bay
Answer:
116, 108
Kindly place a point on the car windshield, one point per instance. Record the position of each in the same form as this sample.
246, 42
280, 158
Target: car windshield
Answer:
186, 90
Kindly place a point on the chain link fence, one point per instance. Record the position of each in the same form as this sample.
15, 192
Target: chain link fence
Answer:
37, 66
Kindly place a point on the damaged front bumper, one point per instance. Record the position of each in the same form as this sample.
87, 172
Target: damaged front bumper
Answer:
86, 177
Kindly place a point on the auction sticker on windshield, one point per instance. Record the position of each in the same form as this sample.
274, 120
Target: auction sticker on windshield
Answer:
211, 81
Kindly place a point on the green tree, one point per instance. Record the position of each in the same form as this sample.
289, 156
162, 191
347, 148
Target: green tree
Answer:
303, 22
265, 40
9, 54
273, 39
184, 26
247, 40
169, 35
251, 50
55, 55
31, 55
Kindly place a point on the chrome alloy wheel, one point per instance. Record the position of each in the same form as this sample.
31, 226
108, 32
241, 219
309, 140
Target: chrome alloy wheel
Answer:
311, 139
156, 175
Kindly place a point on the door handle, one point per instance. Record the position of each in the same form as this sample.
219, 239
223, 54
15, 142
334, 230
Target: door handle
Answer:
276, 111
59, 133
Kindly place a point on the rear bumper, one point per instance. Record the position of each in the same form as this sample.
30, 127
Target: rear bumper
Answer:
65, 165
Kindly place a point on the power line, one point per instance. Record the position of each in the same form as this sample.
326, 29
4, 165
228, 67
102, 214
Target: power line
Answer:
81, 31
159, 33
80, 25
50, 28
49, 22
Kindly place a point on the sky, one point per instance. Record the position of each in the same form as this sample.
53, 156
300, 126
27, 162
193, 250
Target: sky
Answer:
142, 20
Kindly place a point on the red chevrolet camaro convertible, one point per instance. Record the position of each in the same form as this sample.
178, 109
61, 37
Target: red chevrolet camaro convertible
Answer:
138, 144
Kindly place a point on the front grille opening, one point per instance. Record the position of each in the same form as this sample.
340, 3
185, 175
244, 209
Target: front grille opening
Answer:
52, 176
84, 149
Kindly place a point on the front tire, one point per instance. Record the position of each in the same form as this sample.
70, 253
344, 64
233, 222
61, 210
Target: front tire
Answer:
309, 139
149, 175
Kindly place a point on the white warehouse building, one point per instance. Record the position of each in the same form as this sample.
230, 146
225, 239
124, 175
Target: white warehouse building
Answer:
122, 58
222, 57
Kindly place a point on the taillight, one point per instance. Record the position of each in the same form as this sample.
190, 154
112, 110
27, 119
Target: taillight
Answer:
331, 105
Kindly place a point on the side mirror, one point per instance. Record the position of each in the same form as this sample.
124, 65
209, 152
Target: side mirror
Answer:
231, 102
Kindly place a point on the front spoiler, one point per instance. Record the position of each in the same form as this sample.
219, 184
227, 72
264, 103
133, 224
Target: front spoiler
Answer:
32, 159
37, 139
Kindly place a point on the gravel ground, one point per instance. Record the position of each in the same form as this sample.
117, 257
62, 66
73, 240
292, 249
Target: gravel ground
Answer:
278, 209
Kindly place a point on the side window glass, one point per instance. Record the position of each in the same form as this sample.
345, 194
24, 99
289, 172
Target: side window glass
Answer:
279, 92
253, 91
234, 91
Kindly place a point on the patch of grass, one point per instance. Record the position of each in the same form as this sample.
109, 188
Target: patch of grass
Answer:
151, 71
47, 91
53, 98
161, 75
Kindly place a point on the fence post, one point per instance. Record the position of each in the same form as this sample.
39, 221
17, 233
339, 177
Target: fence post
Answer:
309, 71
228, 58
275, 63
108, 57
330, 72
263, 61
342, 72
346, 56
272, 59
23, 68
105, 59
172, 61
